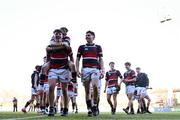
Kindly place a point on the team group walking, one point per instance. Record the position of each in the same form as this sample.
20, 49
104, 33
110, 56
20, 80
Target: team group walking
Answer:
60, 71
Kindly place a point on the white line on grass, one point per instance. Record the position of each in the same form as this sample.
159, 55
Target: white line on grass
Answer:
24, 118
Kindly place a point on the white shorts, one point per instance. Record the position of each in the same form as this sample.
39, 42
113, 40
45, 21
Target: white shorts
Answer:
61, 74
130, 89
33, 91
141, 91
89, 74
71, 94
112, 90
59, 93
136, 97
40, 88
75, 94
46, 87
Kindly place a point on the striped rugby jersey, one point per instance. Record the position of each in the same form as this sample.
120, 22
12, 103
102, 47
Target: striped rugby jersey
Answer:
90, 54
112, 77
59, 58
130, 74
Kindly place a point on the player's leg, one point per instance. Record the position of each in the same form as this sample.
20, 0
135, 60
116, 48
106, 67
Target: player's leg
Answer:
65, 98
95, 84
46, 101
16, 108
115, 103
110, 102
88, 96
148, 104
130, 103
126, 110
129, 93
61, 105
41, 101
52, 84
29, 102
75, 104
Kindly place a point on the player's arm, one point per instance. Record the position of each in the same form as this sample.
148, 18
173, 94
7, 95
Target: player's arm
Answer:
106, 82
79, 53
77, 66
34, 78
102, 66
147, 81
130, 80
101, 61
71, 55
121, 79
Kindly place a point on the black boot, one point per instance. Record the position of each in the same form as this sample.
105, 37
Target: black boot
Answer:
147, 110
94, 110
65, 112
51, 111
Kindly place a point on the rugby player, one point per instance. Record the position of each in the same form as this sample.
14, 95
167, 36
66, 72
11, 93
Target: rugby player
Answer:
112, 86
129, 80
142, 83
92, 69
58, 70
35, 83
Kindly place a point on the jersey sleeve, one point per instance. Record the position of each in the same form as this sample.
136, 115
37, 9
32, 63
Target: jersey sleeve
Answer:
133, 74
119, 74
70, 51
48, 53
100, 53
147, 80
106, 77
80, 50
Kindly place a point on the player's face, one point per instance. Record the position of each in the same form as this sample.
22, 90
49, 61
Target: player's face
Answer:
138, 70
58, 35
89, 38
127, 67
111, 66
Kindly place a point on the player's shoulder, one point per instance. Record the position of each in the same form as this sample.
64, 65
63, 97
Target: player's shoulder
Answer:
98, 46
144, 74
118, 71
82, 46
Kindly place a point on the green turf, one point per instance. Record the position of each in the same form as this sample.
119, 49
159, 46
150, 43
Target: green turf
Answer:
83, 116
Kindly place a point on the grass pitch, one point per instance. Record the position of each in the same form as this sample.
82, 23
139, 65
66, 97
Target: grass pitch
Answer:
83, 116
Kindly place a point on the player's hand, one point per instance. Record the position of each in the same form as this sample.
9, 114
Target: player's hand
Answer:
102, 72
78, 74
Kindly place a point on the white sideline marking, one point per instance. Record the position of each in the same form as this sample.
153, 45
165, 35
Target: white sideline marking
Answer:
24, 118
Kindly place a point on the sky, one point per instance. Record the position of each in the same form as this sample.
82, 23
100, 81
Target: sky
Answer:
127, 30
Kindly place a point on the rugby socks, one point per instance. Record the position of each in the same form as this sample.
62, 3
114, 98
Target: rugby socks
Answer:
89, 105
127, 108
73, 106
47, 105
27, 104
95, 103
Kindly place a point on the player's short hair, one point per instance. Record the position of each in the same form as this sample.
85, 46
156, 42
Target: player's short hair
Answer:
127, 63
38, 67
57, 31
91, 32
138, 68
64, 29
111, 63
